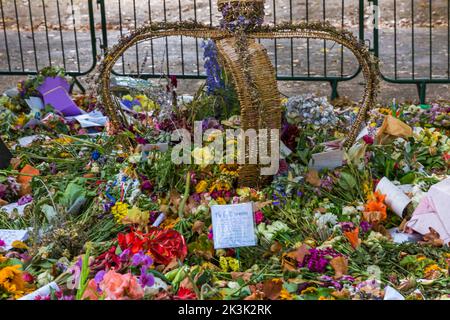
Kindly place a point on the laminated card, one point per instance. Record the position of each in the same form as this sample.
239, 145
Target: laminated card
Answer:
233, 226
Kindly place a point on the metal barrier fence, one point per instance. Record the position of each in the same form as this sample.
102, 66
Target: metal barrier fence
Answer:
293, 59
66, 31
50, 26
425, 56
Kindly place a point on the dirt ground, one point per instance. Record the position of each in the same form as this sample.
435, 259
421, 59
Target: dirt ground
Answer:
430, 57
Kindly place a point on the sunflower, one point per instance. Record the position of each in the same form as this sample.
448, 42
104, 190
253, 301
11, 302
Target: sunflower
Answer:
11, 280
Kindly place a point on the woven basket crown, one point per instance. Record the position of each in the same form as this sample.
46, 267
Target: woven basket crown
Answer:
219, 2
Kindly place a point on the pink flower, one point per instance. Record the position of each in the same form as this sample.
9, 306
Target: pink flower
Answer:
27, 277
259, 217
91, 292
118, 286
368, 140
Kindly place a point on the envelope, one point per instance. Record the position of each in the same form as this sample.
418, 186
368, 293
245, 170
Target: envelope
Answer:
434, 212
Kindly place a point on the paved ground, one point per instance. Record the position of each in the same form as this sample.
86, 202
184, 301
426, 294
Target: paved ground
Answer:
307, 58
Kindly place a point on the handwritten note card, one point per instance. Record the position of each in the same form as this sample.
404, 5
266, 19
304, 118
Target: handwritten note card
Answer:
9, 236
233, 226
327, 160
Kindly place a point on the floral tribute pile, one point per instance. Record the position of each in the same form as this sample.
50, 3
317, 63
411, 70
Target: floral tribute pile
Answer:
89, 219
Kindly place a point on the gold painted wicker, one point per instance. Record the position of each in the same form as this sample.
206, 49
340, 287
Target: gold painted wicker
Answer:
251, 71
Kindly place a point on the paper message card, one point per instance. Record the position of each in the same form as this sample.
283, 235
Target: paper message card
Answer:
233, 226
42, 292
9, 236
395, 198
327, 160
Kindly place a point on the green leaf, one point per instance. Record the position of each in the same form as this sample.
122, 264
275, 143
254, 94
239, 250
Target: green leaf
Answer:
347, 181
49, 211
408, 178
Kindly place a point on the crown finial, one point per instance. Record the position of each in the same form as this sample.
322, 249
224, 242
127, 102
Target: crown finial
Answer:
238, 14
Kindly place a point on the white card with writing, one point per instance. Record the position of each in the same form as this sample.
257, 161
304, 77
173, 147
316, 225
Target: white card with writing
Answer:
9, 236
233, 226
395, 198
9, 208
327, 160
42, 292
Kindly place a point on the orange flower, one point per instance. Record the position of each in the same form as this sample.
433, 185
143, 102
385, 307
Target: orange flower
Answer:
376, 204
353, 237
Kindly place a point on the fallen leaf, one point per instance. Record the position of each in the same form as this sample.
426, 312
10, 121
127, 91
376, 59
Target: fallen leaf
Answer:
272, 288
246, 276
257, 206
340, 266
276, 247
312, 177
198, 227
257, 295
341, 294
433, 238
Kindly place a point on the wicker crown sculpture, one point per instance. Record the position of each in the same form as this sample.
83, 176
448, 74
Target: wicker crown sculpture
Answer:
248, 63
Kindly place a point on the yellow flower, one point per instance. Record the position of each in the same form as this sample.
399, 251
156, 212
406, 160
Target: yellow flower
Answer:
19, 245
119, 211
11, 280
285, 295
221, 201
233, 264
230, 170
309, 290
214, 135
136, 216
421, 258
21, 120
325, 298
220, 186
203, 156
431, 268
64, 140
373, 124
127, 97
223, 264
201, 186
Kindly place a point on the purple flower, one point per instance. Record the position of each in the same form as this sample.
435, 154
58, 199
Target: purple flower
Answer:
318, 259
347, 226
125, 255
141, 140
53, 169
99, 277
147, 186
2, 243
25, 200
146, 279
212, 67
141, 259
365, 226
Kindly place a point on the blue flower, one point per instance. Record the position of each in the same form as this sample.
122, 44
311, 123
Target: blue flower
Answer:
95, 155
213, 71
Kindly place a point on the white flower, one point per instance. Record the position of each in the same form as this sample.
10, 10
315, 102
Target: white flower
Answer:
324, 220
